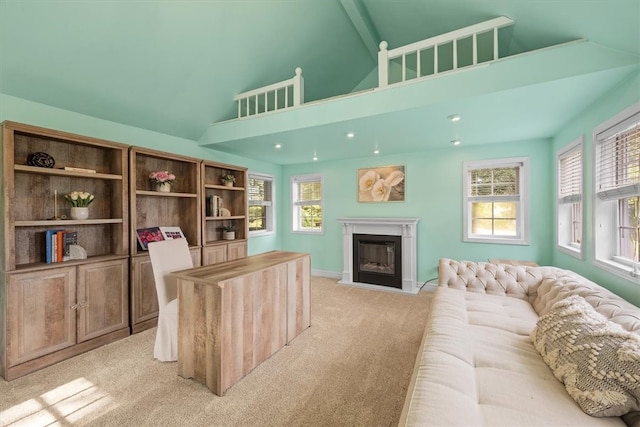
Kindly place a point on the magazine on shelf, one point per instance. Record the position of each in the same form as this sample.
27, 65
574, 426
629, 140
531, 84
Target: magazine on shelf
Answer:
69, 238
169, 233
147, 235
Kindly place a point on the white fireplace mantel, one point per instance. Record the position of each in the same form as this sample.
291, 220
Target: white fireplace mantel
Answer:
405, 227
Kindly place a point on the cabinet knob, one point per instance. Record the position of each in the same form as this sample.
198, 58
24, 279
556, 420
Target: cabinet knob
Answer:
73, 306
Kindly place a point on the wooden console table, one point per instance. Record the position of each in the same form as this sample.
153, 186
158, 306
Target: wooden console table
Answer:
235, 315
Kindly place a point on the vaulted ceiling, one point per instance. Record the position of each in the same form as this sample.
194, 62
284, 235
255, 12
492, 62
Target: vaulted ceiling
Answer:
174, 67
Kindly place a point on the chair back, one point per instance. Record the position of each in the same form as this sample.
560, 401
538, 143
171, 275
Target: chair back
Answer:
168, 256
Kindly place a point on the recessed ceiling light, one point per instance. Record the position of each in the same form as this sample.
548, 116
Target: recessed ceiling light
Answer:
278, 146
350, 135
455, 142
376, 151
454, 117
315, 158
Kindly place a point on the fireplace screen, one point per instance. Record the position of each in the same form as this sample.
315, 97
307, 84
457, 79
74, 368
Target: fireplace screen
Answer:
377, 259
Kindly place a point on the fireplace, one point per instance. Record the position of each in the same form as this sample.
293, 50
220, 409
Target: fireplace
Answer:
377, 259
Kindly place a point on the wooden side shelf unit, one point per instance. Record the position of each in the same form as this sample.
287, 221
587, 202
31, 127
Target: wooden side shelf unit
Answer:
151, 208
53, 311
233, 198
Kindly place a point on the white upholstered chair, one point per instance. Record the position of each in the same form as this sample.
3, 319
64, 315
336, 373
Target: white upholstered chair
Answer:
168, 256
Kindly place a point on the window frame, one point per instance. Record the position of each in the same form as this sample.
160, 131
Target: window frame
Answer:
605, 213
566, 210
295, 207
522, 216
270, 208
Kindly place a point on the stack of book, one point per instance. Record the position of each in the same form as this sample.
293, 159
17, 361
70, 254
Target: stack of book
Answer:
57, 243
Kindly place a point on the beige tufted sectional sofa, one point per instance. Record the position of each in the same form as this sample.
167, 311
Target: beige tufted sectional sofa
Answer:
477, 365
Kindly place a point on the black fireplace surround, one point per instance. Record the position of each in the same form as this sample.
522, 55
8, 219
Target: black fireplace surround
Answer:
377, 259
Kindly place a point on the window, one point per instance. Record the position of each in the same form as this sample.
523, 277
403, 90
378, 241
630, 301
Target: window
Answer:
260, 199
306, 197
617, 192
569, 210
496, 194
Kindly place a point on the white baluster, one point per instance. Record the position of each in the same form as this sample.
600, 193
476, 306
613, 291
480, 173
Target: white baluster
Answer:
298, 88
275, 99
435, 59
239, 108
418, 63
455, 54
404, 67
495, 43
255, 109
383, 65
475, 48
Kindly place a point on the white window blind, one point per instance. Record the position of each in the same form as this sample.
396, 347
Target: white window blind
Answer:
570, 176
308, 192
495, 184
260, 192
618, 160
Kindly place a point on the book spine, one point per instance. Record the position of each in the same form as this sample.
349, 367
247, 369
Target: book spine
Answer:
59, 247
47, 244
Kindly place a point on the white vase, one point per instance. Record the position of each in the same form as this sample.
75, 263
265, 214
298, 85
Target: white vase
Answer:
79, 213
163, 187
229, 235
228, 183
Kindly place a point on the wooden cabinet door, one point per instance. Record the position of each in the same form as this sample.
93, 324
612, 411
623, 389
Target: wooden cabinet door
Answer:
214, 254
144, 299
236, 250
102, 298
41, 313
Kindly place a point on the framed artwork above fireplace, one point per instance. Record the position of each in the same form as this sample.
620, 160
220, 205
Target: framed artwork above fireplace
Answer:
381, 184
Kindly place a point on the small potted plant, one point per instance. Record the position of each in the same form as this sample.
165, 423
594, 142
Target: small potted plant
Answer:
228, 179
80, 201
162, 180
228, 232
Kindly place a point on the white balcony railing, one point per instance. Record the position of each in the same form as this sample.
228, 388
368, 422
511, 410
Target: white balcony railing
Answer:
446, 52
464, 48
278, 96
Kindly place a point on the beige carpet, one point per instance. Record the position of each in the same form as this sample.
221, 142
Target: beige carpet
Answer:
351, 368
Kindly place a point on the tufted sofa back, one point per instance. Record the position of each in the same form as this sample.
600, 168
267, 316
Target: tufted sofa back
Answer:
517, 281
541, 286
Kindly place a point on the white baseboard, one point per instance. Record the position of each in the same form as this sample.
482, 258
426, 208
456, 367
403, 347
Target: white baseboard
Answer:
327, 274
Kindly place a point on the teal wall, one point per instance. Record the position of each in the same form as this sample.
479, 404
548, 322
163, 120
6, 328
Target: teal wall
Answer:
626, 94
433, 189
433, 193
23, 111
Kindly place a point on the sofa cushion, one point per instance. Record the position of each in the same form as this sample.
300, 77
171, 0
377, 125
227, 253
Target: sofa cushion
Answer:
477, 367
596, 359
554, 288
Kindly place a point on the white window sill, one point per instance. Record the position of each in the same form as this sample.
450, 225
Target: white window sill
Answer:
618, 269
307, 231
261, 233
496, 240
571, 250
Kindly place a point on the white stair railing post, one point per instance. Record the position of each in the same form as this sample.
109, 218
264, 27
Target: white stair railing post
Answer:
495, 43
298, 88
383, 65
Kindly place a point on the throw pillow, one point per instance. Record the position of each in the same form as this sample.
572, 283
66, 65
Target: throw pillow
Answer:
596, 359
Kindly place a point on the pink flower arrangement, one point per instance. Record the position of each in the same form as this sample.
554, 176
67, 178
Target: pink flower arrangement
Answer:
160, 177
